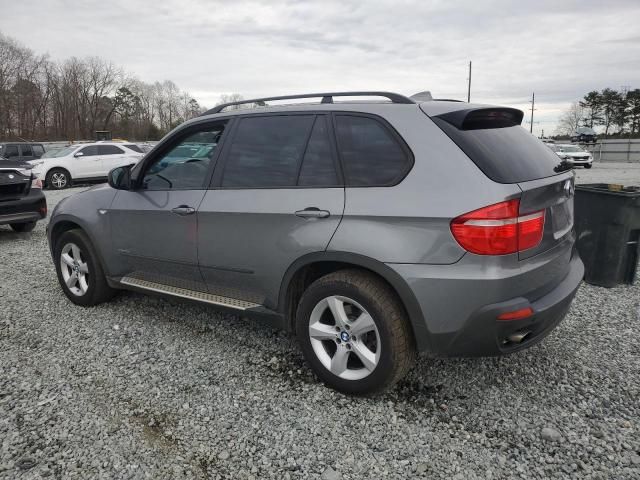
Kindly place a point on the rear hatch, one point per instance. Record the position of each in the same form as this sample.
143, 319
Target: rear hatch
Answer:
15, 180
494, 140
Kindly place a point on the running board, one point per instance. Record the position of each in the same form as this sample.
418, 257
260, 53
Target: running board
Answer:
189, 294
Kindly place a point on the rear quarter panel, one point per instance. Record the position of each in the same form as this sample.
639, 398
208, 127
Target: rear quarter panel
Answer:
409, 222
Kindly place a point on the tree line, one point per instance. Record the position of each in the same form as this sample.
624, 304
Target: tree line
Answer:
41, 99
617, 111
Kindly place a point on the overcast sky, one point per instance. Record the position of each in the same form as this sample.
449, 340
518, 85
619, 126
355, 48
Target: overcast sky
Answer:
559, 49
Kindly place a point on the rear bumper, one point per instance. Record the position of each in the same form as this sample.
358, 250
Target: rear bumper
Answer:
459, 303
485, 335
30, 208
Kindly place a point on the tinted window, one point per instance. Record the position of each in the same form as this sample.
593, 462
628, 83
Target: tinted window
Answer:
11, 151
89, 151
507, 154
38, 150
135, 148
370, 153
318, 168
26, 150
267, 151
109, 150
185, 166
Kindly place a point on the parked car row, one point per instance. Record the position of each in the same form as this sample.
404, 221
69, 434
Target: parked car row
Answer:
83, 162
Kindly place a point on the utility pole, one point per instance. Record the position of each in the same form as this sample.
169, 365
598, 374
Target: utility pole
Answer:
533, 107
469, 85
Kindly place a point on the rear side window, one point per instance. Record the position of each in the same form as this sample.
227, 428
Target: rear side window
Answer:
500, 147
26, 150
135, 148
371, 154
318, 168
267, 151
109, 150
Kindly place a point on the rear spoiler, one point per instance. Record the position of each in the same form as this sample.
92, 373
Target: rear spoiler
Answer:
479, 118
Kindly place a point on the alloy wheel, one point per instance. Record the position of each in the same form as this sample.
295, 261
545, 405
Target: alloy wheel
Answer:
344, 337
59, 179
75, 270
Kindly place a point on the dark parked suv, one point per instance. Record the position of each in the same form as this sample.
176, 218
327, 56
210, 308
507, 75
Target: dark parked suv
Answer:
21, 150
22, 202
371, 229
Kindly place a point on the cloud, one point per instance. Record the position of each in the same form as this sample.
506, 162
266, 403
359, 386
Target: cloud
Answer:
560, 50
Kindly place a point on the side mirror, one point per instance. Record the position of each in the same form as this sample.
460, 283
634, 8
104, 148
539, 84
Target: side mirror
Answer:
120, 178
78, 154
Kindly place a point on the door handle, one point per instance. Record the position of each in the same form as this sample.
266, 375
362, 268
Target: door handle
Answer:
183, 210
313, 212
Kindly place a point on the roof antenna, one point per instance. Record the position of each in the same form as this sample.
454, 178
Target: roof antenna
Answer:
422, 96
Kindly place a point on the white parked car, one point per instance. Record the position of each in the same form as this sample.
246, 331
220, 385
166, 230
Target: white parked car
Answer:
84, 162
573, 154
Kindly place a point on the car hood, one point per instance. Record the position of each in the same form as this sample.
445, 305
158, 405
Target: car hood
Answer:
15, 164
575, 154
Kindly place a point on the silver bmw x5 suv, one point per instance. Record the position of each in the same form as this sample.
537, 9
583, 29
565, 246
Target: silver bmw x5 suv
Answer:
371, 229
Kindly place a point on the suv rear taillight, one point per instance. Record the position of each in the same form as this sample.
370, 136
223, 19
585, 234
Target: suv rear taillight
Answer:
498, 229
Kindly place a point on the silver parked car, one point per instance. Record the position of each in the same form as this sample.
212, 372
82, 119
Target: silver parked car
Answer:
373, 230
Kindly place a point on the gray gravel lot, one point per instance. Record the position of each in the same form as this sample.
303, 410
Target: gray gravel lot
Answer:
147, 387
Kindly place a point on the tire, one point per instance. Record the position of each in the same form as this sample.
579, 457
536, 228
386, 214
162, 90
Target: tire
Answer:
58, 179
90, 286
587, 166
375, 360
23, 227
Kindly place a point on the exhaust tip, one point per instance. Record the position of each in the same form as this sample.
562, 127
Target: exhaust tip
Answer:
518, 337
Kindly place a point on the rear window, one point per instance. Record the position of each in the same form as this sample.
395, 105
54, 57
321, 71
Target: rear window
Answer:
502, 149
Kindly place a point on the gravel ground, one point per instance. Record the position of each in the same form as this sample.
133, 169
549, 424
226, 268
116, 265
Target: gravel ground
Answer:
146, 387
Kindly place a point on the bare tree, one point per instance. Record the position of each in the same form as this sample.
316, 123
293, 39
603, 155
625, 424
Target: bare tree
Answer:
570, 120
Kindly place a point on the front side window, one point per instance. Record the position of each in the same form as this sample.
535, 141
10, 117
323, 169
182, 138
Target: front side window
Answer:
371, 155
109, 150
134, 147
89, 151
185, 166
38, 150
267, 151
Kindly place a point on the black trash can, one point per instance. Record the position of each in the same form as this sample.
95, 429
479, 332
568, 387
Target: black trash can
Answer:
607, 221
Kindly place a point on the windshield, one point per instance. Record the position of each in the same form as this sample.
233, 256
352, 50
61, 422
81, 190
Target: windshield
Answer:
62, 153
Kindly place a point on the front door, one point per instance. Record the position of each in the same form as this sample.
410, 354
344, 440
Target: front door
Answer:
278, 196
154, 227
86, 163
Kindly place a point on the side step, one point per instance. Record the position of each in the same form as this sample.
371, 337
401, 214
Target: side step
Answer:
189, 294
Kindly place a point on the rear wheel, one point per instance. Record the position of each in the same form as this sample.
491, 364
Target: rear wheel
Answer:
23, 227
354, 333
58, 178
79, 271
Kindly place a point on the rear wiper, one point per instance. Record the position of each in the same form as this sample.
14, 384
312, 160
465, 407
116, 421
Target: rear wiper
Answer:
563, 166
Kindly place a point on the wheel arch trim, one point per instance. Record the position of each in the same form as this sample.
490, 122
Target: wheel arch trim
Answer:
398, 284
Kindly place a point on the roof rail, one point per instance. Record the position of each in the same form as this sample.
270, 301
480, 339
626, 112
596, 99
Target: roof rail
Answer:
326, 98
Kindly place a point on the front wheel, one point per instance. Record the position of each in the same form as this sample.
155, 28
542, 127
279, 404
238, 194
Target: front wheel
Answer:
23, 227
354, 333
79, 271
587, 166
57, 179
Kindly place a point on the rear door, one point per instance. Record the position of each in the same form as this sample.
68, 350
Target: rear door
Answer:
111, 156
278, 197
